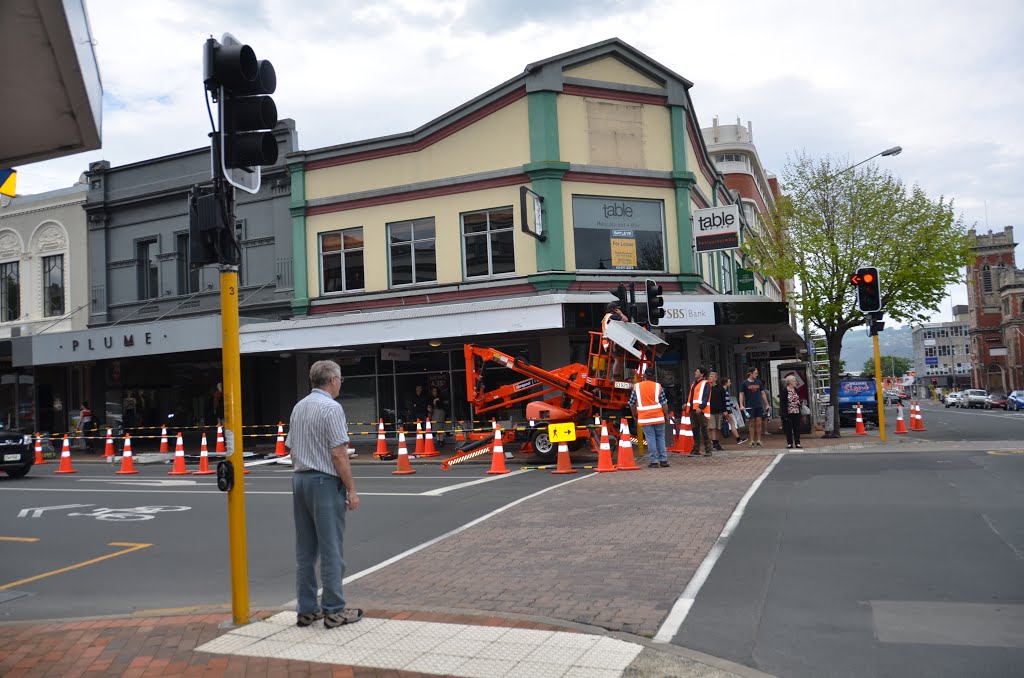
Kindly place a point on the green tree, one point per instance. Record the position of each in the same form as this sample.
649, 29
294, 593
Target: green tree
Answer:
834, 219
892, 366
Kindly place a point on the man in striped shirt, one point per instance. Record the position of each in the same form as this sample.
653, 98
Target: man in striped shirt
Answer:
322, 490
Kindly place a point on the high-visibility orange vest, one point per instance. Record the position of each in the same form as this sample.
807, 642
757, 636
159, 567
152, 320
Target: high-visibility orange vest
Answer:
648, 403
695, 393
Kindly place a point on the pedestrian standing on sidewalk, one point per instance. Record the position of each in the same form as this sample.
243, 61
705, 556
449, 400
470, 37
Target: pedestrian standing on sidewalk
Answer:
754, 403
718, 410
650, 412
729, 416
699, 402
322, 490
789, 406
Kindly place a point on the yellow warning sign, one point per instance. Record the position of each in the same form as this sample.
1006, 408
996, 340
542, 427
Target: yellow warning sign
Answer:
8, 179
623, 253
562, 433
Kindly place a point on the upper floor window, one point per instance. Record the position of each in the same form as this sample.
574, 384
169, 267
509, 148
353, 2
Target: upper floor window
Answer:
621, 235
488, 238
188, 277
341, 260
986, 278
413, 251
10, 292
53, 285
730, 157
148, 268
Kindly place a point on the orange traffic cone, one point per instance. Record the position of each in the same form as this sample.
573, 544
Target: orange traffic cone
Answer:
859, 430
683, 443
901, 427
204, 458
163, 440
39, 451
626, 460
65, 458
920, 419
108, 450
179, 459
382, 444
913, 416
220, 441
279, 450
604, 454
419, 439
404, 468
127, 465
428, 445
497, 456
564, 463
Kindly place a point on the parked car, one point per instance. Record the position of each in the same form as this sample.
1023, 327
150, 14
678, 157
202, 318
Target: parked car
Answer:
995, 400
973, 397
17, 452
1015, 401
952, 399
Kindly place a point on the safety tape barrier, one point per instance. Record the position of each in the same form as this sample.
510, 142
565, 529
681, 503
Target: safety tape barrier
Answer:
172, 431
407, 425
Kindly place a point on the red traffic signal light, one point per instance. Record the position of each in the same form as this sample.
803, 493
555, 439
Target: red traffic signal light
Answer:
869, 291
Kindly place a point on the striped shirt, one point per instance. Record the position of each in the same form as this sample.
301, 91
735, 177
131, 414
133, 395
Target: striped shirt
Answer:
317, 425
632, 398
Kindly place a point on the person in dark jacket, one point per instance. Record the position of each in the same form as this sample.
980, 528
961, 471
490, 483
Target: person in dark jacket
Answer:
718, 409
697, 402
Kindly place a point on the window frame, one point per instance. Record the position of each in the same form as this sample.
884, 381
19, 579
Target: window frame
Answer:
511, 230
46, 270
144, 269
342, 254
411, 245
5, 307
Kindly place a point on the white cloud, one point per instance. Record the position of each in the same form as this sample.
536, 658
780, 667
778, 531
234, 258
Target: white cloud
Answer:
941, 78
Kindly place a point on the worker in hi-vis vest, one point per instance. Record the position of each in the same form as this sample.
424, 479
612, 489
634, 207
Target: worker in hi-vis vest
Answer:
650, 411
613, 311
699, 403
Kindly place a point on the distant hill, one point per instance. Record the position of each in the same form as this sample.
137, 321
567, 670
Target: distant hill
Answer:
858, 346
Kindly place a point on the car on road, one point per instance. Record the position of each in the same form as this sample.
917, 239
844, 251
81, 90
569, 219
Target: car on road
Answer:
952, 399
973, 397
17, 453
1015, 401
995, 401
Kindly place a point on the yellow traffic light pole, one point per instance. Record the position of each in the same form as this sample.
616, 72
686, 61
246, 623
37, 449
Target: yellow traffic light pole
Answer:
233, 422
879, 394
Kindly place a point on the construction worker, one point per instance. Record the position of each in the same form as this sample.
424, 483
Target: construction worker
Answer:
613, 311
650, 411
699, 402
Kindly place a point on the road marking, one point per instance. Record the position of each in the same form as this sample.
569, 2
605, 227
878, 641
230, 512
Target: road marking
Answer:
440, 491
132, 547
151, 482
39, 510
436, 540
1008, 452
676, 617
152, 491
19, 538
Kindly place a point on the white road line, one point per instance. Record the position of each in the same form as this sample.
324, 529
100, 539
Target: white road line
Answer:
462, 528
440, 491
1004, 415
152, 491
676, 617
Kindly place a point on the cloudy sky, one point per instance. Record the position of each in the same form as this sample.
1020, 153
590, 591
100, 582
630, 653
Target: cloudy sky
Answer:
944, 79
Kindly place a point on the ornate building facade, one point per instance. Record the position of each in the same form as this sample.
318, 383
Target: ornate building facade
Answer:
995, 296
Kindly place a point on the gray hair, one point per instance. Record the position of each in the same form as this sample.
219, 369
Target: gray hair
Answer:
322, 372
791, 379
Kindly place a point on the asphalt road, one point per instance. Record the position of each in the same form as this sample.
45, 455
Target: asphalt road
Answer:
170, 535
954, 424
908, 564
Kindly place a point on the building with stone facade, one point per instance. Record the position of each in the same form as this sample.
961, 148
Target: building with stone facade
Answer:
995, 296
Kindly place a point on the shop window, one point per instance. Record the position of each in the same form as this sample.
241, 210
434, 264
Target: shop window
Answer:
488, 238
188, 277
53, 285
341, 260
413, 252
148, 269
10, 292
618, 235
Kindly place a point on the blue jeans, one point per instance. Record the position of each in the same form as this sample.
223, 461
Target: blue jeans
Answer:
654, 434
318, 505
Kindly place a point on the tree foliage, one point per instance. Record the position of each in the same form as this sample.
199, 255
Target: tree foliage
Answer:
832, 220
892, 366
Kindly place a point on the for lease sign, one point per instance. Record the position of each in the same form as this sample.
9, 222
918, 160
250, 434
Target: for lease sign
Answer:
716, 228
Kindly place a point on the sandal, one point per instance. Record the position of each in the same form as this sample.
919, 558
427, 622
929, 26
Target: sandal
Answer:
350, 615
307, 618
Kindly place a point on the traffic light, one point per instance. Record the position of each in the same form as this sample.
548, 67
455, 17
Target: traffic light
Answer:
875, 323
935, 382
620, 295
655, 302
869, 290
241, 84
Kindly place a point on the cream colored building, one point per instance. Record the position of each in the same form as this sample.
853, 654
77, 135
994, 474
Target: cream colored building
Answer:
422, 241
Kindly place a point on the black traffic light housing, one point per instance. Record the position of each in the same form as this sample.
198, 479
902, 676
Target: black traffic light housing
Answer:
869, 289
655, 302
875, 323
620, 295
934, 381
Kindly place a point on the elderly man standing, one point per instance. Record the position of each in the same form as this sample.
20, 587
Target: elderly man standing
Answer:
322, 490
650, 411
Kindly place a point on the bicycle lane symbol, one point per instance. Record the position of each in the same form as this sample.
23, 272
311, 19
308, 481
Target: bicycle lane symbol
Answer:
130, 514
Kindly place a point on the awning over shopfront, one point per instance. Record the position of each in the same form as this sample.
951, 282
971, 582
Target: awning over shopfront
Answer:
735, 319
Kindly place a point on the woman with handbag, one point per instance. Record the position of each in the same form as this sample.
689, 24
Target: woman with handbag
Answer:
789, 408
